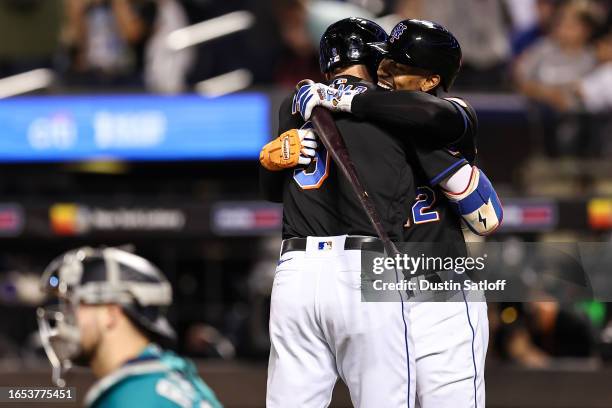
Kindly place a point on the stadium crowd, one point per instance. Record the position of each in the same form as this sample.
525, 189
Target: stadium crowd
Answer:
116, 43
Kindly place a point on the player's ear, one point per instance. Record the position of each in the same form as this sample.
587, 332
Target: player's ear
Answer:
112, 315
430, 83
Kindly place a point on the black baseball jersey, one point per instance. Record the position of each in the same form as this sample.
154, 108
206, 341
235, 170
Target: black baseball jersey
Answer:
396, 167
443, 136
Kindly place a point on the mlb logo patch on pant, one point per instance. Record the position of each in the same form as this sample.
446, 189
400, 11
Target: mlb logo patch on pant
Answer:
325, 245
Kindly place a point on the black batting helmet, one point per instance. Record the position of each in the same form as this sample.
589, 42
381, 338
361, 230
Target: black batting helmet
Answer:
352, 41
427, 45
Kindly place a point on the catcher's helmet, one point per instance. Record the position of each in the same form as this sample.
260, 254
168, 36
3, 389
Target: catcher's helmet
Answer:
427, 45
96, 277
112, 275
352, 41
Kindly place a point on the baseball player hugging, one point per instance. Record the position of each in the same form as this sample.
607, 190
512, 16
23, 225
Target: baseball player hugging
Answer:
414, 153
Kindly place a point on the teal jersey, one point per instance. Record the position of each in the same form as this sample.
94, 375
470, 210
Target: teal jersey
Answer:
155, 379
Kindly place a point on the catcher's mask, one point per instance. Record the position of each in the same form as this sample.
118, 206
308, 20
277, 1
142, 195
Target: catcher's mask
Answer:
96, 277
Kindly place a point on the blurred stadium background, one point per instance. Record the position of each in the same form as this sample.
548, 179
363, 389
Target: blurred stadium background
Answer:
140, 122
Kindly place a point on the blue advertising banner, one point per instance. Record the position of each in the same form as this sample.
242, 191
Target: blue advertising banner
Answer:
133, 127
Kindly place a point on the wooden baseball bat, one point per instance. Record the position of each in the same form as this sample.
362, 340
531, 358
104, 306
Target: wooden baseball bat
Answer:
334, 143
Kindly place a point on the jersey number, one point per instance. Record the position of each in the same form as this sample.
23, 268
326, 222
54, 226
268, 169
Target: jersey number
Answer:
314, 176
422, 208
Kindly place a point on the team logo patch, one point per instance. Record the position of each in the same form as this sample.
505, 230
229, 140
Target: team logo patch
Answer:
397, 32
325, 245
335, 56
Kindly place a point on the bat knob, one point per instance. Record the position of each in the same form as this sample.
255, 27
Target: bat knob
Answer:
304, 82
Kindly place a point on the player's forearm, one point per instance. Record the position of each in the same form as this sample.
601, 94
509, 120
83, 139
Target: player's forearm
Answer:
474, 198
405, 109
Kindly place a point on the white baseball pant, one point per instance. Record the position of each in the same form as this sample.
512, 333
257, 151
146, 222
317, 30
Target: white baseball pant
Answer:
321, 330
451, 340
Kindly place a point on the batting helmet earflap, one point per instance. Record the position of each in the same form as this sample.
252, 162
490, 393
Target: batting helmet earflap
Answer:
427, 45
352, 41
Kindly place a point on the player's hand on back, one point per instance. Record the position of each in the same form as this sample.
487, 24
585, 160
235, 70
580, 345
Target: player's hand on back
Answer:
292, 148
316, 94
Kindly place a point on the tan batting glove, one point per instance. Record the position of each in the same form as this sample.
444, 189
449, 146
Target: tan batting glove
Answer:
292, 148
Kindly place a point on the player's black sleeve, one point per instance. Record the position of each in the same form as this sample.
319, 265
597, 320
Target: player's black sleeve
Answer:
438, 164
271, 183
442, 121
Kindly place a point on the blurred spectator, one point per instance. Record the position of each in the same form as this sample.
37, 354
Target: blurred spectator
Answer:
299, 56
252, 49
593, 93
526, 37
546, 72
260, 281
377, 7
531, 334
107, 40
482, 29
522, 13
323, 13
30, 32
165, 69
594, 89
202, 340
561, 330
559, 59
